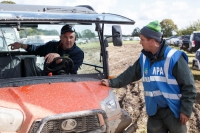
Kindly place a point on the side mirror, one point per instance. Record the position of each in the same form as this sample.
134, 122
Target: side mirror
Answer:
117, 35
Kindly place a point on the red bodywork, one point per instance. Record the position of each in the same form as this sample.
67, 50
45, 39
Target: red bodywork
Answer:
41, 100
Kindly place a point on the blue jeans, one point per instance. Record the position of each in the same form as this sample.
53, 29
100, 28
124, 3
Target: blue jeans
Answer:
165, 122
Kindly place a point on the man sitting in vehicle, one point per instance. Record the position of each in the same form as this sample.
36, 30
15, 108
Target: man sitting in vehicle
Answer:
66, 47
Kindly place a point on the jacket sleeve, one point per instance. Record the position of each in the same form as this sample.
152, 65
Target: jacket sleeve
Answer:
185, 79
133, 73
40, 50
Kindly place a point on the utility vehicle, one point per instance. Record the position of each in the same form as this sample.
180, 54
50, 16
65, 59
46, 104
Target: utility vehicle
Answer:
69, 103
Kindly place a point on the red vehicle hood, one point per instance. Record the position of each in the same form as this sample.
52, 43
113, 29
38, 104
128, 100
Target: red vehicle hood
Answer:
38, 101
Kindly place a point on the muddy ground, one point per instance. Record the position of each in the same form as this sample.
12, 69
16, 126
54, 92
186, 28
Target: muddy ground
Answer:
131, 97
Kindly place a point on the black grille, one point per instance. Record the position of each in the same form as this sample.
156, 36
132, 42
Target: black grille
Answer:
84, 124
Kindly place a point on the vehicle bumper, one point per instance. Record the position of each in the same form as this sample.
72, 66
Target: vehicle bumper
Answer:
119, 124
84, 122
193, 48
185, 46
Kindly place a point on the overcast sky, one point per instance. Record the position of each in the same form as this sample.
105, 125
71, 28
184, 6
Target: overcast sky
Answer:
182, 12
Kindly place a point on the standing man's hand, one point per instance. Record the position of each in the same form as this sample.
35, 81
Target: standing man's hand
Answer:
105, 82
15, 45
49, 57
184, 118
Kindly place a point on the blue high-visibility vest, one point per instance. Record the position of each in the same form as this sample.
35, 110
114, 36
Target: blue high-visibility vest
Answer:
160, 86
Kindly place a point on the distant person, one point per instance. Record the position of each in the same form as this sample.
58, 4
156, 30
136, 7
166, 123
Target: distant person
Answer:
169, 87
66, 47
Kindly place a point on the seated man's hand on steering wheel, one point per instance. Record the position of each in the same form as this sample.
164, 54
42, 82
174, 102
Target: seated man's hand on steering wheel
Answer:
64, 67
51, 56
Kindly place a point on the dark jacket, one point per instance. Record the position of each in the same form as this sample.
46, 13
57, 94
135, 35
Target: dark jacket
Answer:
75, 53
181, 72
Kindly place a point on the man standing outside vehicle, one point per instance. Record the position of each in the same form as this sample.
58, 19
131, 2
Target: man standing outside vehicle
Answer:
66, 47
169, 88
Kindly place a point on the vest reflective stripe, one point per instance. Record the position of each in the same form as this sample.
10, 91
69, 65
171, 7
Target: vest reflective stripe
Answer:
166, 68
144, 59
152, 93
146, 79
166, 95
160, 79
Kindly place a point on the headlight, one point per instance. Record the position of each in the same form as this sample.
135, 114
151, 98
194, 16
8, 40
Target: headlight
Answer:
110, 105
10, 120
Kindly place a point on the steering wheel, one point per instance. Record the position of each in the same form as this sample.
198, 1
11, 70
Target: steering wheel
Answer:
65, 67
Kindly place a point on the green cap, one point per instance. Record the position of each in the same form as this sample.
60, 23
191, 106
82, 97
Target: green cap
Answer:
152, 30
155, 25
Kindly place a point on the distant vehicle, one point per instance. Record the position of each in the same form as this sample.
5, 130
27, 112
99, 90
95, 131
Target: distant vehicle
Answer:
194, 43
172, 40
185, 40
81, 41
125, 39
8, 35
41, 39
87, 40
177, 42
136, 38
196, 61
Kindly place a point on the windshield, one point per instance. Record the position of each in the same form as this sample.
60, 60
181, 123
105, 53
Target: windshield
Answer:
86, 39
41, 26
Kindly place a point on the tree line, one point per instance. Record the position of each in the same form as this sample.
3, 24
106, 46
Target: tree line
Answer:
33, 31
169, 28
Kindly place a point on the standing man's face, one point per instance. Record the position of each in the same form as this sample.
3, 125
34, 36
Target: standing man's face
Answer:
146, 44
67, 40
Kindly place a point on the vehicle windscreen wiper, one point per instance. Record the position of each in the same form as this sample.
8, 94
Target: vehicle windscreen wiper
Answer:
95, 66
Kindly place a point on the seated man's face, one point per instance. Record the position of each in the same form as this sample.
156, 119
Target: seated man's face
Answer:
67, 40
